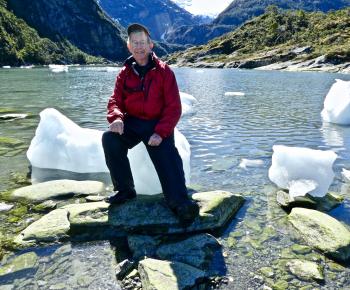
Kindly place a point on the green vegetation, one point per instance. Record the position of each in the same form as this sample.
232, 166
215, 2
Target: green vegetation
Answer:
276, 33
21, 44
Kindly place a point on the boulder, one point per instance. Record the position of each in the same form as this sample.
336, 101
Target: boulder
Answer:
57, 189
143, 246
145, 214
322, 232
157, 274
197, 251
305, 270
151, 215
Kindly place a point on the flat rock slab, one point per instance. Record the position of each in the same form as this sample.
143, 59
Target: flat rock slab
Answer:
157, 274
151, 215
50, 228
58, 189
145, 214
322, 232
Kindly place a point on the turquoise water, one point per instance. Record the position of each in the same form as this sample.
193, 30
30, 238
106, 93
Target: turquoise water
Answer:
278, 108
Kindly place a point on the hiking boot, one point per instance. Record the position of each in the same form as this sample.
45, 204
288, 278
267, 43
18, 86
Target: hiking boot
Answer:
121, 197
187, 212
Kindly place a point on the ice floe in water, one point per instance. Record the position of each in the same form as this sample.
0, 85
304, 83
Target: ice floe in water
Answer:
302, 170
232, 94
59, 143
250, 163
57, 68
187, 102
337, 103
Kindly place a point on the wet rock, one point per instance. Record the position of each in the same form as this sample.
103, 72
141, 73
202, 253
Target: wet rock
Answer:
267, 272
57, 189
25, 263
50, 228
142, 246
305, 270
123, 268
322, 232
197, 251
300, 249
330, 201
156, 274
280, 285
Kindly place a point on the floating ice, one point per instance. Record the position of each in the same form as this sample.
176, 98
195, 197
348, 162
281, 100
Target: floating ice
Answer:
6, 66
301, 187
27, 66
303, 165
337, 103
59, 143
5, 206
187, 102
56, 68
232, 94
346, 174
250, 163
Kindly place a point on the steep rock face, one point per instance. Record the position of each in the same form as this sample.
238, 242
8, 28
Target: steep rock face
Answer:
238, 12
82, 22
196, 34
159, 16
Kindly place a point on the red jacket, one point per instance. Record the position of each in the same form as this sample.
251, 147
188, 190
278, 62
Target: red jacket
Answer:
155, 97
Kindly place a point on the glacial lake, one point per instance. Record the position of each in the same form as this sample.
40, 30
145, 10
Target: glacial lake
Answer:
277, 108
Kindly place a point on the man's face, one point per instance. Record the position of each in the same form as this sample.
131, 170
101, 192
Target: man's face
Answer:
140, 46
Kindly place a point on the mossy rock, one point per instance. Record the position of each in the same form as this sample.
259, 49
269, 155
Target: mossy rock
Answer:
322, 232
306, 270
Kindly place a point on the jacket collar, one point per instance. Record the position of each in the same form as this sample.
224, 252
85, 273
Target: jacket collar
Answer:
152, 57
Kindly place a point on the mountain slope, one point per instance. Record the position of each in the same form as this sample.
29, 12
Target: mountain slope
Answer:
21, 44
82, 22
240, 11
277, 36
159, 16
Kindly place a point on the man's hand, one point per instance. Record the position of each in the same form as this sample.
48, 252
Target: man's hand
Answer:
155, 140
117, 126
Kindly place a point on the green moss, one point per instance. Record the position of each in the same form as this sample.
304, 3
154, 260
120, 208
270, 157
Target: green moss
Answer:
9, 142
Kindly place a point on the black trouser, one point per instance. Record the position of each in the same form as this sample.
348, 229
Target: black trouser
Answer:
165, 158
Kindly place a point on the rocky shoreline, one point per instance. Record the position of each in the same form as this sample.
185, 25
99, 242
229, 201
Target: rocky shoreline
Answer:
164, 255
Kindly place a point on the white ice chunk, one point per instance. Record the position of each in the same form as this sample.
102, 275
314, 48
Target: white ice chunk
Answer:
301, 187
346, 174
57, 68
187, 102
5, 207
337, 103
250, 163
232, 94
6, 66
59, 143
291, 164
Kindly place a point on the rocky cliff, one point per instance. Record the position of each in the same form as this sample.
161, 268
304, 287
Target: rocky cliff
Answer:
81, 22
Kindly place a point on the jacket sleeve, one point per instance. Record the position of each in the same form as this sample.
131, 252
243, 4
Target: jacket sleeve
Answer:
172, 105
115, 107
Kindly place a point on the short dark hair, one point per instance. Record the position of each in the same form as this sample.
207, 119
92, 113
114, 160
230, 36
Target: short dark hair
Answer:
136, 27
